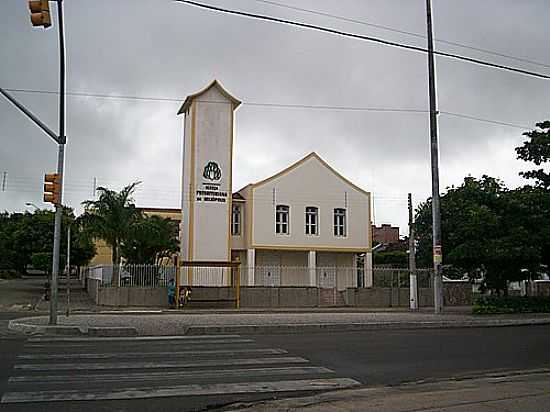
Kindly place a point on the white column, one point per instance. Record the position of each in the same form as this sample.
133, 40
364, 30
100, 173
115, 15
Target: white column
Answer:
368, 283
312, 265
251, 264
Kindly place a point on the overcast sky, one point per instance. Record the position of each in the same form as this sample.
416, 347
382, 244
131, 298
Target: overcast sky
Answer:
160, 48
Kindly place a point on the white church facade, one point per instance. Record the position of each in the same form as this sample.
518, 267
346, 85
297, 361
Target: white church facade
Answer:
304, 226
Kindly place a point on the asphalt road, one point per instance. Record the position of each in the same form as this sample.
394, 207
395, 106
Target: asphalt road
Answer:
260, 367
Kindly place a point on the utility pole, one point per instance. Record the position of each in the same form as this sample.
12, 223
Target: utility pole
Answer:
436, 209
60, 164
4, 176
413, 285
68, 268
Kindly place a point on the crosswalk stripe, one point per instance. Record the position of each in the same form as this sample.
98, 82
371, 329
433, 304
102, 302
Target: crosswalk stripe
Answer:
161, 376
127, 338
159, 364
173, 354
181, 390
65, 345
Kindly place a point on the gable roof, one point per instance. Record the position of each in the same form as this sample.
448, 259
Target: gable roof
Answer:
214, 83
297, 164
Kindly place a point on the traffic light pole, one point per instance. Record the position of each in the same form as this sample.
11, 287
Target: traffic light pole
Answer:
436, 210
60, 166
60, 139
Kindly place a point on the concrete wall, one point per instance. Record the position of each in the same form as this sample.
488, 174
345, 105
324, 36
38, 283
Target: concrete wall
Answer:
150, 297
454, 294
542, 288
279, 297
258, 297
92, 287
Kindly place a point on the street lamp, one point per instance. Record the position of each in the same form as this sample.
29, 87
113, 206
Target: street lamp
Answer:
36, 208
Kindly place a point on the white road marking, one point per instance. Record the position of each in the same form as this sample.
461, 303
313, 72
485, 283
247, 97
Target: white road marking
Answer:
166, 375
173, 354
158, 364
181, 390
127, 338
65, 345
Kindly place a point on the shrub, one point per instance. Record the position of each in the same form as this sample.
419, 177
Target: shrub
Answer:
511, 304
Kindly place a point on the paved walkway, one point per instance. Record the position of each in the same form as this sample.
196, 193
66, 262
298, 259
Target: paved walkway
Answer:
79, 300
22, 294
527, 391
198, 323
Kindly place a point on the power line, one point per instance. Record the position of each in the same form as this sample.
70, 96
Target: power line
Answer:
479, 119
279, 105
362, 37
408, 33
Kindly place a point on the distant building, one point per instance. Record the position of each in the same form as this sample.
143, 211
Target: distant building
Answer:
385, 234
103, 251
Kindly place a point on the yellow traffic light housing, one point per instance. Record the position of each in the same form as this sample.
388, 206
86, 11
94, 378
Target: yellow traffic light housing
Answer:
40, 13
52, 188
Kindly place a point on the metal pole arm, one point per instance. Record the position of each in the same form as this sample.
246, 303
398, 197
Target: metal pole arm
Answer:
36, 120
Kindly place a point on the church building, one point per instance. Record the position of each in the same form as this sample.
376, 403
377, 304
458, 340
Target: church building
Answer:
304, 226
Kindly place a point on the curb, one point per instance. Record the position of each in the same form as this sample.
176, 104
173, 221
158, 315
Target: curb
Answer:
19, 325
71, 330
353, 327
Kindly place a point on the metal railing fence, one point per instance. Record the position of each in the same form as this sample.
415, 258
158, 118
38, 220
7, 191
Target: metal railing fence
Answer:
386, 277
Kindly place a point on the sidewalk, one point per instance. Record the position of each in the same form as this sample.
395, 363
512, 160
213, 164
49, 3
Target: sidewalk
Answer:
526, 391
188, 323
80, 301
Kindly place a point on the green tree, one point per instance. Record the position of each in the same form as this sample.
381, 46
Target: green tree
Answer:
487, 230
537, 150
22, 235
110, 218
395, 258
150, 240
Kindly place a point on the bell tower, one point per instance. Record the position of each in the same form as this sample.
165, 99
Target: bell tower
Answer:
206, 181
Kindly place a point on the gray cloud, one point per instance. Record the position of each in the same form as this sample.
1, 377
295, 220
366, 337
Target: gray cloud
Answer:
165, 49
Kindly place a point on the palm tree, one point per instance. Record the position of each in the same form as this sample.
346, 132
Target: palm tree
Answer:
110, 218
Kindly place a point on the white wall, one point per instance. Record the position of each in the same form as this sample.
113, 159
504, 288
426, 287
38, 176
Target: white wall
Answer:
210, 230
310, 184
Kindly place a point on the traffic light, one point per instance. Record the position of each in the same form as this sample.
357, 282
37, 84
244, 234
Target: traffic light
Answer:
52, 188
40, 13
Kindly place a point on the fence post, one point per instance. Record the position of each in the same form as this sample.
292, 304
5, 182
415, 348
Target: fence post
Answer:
238, 286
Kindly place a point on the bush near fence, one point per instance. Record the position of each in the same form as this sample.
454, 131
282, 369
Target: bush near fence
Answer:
511, 304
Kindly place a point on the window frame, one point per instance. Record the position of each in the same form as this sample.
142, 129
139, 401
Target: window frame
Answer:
236, 224
282, 210
311, 211
339, 222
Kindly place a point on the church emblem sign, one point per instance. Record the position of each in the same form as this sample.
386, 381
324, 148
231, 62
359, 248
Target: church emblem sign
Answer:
210, 190
212, 172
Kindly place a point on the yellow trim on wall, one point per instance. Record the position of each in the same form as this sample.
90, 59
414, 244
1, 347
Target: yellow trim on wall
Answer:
230, 192
315, 248
299, 163
192, 186
249, 218
189, 100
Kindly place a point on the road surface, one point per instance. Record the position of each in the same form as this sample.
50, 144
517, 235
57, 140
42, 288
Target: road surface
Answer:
193, 373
